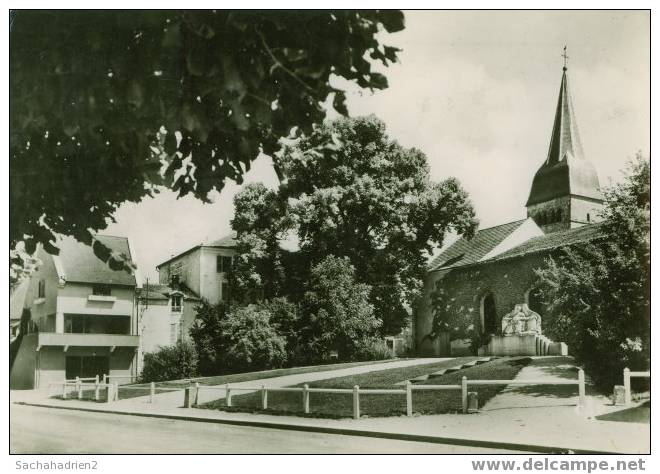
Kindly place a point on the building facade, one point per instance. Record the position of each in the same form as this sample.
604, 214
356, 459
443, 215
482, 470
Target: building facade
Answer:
203, 270
483, 278
82, 320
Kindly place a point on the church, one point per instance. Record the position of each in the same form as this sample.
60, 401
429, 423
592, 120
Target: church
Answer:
485, 277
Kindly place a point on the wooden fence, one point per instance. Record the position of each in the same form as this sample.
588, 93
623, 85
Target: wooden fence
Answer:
191, 395
627, 375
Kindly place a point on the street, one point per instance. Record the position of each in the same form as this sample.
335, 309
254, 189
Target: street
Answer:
36, 430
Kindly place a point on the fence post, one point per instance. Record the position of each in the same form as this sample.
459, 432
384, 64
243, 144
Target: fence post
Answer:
96, 378
408, 398
115, 394
464, 393
305, 398
152, 391
626, 386
196, 393
228, 395
108, 393
187, 398
105, 379
79, 388
356, 402
97, 388
264, 397
64, 390
581, 389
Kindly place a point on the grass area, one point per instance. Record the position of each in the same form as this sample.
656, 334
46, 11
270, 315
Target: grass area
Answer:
141, 390
332, 405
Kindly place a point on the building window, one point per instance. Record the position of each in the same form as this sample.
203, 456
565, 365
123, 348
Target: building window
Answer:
42, 289
176, 301
225, 292
101, 290
588, 217
223, 264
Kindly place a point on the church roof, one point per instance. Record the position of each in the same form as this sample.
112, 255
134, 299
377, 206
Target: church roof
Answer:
555, 240
565, 171
466, 251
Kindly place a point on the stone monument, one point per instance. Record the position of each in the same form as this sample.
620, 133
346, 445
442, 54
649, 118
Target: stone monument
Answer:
522, 335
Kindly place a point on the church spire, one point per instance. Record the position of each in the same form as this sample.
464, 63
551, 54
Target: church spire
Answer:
566, 185
565, 136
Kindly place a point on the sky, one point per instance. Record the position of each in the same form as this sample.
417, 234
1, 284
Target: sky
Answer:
476, 92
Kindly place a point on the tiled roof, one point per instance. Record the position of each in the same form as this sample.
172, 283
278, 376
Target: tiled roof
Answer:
156, 291
555, 240
228, 241
81, 265
465, 252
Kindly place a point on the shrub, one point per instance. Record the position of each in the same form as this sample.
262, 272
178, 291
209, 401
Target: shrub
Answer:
170, 363
249, 342
372, 349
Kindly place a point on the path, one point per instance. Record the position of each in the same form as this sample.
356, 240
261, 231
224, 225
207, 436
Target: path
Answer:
207, 394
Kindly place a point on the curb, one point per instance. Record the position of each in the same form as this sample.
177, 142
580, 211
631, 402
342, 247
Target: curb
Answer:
345, 431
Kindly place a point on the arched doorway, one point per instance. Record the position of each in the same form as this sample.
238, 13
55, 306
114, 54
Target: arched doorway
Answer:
488, 314
534, 301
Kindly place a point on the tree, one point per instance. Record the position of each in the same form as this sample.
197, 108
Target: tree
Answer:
207, 336
597, 295
170, 363
250, 342
348, 190
109, 106
337, 315
237, 340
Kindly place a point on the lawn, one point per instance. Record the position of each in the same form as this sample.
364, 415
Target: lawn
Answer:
140, 390
332, 405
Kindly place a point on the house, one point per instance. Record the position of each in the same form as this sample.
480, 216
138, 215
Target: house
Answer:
82, 317
483, 278
164, 315
203, 269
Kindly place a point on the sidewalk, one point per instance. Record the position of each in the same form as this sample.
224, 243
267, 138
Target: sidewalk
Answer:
528, 416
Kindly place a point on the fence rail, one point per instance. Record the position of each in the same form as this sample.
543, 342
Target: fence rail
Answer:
192, 391
627, 375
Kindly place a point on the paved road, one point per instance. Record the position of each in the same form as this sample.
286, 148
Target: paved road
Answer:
47, 431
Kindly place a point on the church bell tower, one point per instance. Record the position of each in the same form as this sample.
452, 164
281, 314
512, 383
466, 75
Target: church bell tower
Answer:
565, 191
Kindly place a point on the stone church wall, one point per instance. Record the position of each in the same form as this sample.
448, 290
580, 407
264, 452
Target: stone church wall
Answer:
508, 280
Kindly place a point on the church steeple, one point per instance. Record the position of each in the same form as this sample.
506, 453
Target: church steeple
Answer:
565, 192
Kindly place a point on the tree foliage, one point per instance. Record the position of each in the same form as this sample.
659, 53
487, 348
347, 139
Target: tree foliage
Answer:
337, 314
348, 190
238, 340
107, 106
597, 295
170, 363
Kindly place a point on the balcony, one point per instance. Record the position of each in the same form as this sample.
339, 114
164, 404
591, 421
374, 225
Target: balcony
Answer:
87, 340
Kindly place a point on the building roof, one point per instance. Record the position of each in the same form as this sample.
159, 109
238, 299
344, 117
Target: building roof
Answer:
79, 263
156, 291
565, 171
228, 241
554, 240
466, 251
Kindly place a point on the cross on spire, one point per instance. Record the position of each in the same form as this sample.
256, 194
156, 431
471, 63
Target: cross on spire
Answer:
565, 56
